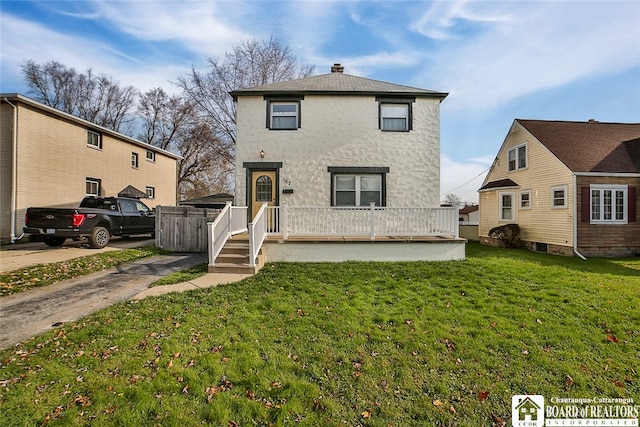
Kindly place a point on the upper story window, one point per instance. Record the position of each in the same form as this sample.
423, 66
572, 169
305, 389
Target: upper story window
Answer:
517, 157
283, 114
395, 114
94, 139
134, 160
609, 204
151, 155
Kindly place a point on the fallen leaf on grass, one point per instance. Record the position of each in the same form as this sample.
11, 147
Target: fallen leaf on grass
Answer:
483, 395
618, 383
568, 382
612, 338
366, 415
82, 401
452, 410
210, 392
437, 402
498, 421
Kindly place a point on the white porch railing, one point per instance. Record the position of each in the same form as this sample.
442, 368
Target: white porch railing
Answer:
257, 234
231, 220
327, 221
362, 221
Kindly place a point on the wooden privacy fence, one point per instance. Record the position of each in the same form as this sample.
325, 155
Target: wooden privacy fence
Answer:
183, 228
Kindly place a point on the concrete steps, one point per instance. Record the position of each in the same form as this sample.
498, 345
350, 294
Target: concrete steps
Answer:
234, 258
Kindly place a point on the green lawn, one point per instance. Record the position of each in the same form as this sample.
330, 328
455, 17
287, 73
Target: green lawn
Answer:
430, 344
38, 275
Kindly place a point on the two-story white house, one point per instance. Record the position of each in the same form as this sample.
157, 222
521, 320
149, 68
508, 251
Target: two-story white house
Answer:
336, 155
338, 140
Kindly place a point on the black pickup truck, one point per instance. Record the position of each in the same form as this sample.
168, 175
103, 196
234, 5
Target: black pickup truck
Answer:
97, 219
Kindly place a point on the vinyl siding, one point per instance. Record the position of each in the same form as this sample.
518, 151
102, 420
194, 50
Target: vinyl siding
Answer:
544, 171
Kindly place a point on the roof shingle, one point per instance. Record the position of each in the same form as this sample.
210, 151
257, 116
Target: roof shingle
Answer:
590, 146
333, 83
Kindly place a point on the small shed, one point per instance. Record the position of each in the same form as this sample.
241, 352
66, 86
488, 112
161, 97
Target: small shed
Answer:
214, 201
132, 192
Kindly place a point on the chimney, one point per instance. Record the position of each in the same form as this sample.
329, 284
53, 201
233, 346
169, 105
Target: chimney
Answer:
337, 68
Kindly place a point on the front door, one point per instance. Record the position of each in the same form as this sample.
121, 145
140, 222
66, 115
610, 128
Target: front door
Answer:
263, 189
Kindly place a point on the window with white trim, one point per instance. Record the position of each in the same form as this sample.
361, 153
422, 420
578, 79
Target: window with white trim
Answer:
517, 157
134, 160
357, 190
151, 192
507, 208
525, 199
94, 139
151, 155
609, 204
92, 186
559, 197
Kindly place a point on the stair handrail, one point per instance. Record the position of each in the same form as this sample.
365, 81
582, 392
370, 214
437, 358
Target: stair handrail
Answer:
218, 232
257, 234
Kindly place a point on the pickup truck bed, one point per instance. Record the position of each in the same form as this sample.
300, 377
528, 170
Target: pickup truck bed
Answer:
97, 219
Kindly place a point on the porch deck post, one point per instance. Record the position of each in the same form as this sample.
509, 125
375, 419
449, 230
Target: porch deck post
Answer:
285, 216
373, 220
230, 217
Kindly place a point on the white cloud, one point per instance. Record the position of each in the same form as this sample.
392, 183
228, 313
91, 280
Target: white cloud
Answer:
463, 177
200, 27
524, 47
23, 40
440, 20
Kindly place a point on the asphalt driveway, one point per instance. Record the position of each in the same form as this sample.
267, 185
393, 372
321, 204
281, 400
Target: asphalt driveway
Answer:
33, 312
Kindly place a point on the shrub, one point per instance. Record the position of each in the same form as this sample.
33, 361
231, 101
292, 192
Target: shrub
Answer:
509, 234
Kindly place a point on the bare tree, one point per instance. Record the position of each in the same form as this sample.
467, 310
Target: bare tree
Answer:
170, 123
98, 99
251, 63
52, 84
452, 200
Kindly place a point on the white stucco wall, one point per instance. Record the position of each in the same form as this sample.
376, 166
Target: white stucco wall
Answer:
342, 131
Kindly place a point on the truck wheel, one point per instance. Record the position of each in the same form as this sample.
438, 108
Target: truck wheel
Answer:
99, 238
54, 241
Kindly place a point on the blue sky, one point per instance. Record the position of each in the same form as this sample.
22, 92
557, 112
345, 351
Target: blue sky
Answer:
499, 60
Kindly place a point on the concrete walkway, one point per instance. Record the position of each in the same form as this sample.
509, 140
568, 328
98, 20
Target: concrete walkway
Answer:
33, 312
207, 281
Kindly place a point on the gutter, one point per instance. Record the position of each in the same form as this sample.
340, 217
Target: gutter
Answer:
575, 217
14, 172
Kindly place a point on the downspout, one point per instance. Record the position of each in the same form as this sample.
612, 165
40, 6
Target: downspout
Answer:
14, 173
575, 217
